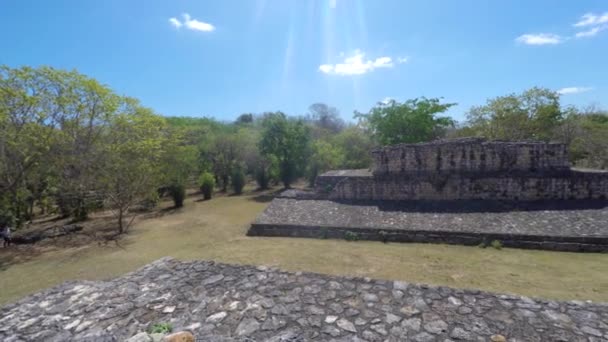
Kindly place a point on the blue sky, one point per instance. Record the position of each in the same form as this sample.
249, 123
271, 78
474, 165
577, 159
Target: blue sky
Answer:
224, 58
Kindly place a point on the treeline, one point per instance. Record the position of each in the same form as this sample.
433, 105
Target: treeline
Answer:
69, 144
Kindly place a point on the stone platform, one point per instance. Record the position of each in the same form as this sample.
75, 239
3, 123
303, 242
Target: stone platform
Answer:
560, 225
219, 302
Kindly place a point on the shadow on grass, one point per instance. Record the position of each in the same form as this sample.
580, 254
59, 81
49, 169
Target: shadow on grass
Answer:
16, 254
265, 196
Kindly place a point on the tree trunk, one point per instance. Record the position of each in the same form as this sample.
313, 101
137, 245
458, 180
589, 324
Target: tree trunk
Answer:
120, 223
224, 183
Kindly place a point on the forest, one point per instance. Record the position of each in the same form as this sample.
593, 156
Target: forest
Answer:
70, 145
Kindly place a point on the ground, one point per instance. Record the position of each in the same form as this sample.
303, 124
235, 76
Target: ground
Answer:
215, 230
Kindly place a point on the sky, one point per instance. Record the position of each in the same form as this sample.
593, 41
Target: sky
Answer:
223, 58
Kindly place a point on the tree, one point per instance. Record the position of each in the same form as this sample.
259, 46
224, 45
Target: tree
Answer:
413, 121
325, 119
533, 114
589, 148
356, 146
325, 156
207, 183
179, 163
237, 179
287, 140
50, 125
244, 119
134, 149
223, 153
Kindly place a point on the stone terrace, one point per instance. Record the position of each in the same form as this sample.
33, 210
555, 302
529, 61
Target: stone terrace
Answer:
535, 225
219, 302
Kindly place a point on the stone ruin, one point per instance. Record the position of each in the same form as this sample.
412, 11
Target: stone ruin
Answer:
230, 303
467, 169
464, 191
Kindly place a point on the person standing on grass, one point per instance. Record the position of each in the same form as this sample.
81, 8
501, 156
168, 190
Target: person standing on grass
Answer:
6, 235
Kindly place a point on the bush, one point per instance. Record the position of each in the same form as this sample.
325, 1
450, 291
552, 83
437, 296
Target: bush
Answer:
178, 194
161, 328
238, 180
262, 177
207, 183
351, 236
496, 244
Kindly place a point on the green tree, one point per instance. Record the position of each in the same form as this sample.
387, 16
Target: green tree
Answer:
207, 183
533, 114
589, 147
50, 126
237, 179
412, 121
179, 163
325, 156
288, 141
356, 146
134, 150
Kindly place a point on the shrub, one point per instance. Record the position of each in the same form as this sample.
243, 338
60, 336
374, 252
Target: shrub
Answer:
496, 244
161, 328
178, 194
262, 177
238, 180
207, 183
351, 236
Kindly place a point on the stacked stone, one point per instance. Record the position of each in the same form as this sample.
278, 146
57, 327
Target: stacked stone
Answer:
218, 302
466, 169
470, 155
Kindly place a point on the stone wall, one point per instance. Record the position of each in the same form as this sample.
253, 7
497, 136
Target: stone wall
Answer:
220, 303
550, 243
569, 186
465, 169
470, 155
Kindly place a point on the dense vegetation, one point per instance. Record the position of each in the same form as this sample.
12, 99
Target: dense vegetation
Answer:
71, 145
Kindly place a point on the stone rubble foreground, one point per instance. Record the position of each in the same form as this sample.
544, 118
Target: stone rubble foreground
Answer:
219, 302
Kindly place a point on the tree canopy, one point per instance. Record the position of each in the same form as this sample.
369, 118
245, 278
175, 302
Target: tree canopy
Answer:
71, 145
412, 121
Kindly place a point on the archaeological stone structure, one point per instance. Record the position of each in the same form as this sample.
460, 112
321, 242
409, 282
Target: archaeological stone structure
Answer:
221, 303
465, 191
465, 169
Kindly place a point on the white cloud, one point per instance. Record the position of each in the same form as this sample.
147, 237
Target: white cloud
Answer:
175, 22
591, 19
591, 32
573, 90
356, 65
333, 3
402, 60
191, 24
539, 39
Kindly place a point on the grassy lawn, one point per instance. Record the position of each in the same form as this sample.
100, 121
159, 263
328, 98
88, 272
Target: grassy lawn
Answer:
216, 230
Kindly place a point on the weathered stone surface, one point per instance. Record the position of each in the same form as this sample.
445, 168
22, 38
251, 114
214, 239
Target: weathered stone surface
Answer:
466, 169
463, 191
140, 337
535, 226
472, 155
244, 303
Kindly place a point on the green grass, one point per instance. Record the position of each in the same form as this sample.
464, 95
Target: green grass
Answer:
216, 230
